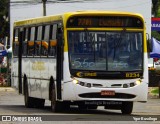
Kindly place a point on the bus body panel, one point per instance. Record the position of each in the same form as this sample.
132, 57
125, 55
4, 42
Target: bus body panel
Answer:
76, 90
38, 74
14, 73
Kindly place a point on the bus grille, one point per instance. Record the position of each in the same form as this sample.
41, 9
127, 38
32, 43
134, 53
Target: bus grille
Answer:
98, 95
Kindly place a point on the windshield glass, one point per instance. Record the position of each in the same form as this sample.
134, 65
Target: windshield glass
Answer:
105, 51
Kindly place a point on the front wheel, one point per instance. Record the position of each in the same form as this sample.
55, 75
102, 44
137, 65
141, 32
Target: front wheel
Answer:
127, 107
55, 105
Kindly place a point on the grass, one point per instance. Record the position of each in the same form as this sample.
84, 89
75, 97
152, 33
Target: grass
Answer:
155, 91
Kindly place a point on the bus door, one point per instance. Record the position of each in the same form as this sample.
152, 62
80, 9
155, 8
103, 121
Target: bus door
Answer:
20, 39
59, 74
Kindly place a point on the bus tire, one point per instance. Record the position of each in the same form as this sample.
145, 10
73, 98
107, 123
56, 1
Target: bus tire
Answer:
31, 102
55, 105
27, 100
127, 107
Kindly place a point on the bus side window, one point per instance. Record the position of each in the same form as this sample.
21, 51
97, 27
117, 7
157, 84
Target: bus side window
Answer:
24, 43
31, 41
15, 42
45, 40
53, 41
38, 41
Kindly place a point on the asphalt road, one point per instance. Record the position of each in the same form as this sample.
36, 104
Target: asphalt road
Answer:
12, 105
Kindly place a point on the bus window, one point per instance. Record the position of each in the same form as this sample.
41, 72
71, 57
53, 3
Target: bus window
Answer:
24, 43
46, 34
39, 33
30, 48
32, 35
31, 41
44, 48
38, 41
54, 31
15, 43
53, 41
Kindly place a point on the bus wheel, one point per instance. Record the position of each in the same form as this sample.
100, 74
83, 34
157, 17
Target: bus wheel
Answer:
27, 100
127, 107
55, 105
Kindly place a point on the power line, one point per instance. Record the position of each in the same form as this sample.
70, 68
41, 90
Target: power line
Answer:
47, 1
36, 2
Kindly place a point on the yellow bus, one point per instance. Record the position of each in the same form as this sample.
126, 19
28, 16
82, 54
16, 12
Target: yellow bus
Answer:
84, 58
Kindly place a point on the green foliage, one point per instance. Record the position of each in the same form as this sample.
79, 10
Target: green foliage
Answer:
4, 23
156, 35
158, 12
157, 9
154, 2
155, 91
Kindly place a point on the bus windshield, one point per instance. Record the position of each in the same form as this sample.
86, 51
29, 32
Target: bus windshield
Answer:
105, 50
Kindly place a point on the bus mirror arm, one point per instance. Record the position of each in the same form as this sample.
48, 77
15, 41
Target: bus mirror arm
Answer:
149, 44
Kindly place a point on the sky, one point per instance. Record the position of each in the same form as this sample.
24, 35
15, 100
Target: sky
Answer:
32, 10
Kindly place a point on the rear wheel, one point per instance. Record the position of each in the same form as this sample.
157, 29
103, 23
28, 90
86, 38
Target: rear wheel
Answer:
30, 101
27, 100
127, 107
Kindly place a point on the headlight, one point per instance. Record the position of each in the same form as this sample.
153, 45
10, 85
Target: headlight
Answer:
75, 81
82, 83
138, 82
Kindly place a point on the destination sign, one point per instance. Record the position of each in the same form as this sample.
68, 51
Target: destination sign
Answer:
104, 21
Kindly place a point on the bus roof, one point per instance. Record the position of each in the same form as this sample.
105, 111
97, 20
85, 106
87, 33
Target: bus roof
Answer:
33, 21
47, 19
94, 12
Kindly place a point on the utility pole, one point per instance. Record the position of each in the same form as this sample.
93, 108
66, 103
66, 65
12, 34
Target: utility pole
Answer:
8, 46
8, 41
44, 7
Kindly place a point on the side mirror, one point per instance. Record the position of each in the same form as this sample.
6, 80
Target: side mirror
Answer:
149, 43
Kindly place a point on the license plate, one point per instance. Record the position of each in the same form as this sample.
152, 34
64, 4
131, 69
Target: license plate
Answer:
107, 93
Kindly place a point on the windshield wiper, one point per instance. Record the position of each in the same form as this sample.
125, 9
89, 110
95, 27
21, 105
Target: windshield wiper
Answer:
118, 41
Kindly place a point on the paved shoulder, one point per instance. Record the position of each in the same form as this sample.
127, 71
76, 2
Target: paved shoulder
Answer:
5, 89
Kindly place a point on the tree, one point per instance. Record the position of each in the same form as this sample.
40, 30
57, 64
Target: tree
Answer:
156, 35
154, 2
4, 18
156, 8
